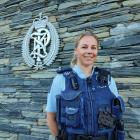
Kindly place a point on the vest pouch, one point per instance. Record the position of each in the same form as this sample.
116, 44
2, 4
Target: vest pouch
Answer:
71, 96
72, 108
117, 107
72, 116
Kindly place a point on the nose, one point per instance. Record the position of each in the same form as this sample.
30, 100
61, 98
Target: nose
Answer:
89, 50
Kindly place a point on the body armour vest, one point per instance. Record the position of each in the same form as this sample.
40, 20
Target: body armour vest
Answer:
88, 107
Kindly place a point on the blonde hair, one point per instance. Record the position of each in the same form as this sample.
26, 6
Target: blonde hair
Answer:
74, 58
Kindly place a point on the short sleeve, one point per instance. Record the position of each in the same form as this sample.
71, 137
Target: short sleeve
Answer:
58, 85
113, 87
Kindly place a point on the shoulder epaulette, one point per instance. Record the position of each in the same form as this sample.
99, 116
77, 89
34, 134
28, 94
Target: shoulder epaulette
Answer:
63, 70
68, 73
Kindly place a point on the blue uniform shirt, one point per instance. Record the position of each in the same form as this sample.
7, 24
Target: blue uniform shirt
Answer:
58, 86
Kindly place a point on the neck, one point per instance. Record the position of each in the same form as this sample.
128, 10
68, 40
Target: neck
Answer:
86, 69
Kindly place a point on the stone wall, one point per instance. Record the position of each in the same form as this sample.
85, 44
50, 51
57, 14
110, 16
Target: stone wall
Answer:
23, 91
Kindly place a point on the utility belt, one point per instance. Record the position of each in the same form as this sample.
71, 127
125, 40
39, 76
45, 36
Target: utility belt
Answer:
81, 137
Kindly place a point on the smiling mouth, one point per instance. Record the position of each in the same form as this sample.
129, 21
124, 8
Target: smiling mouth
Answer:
89, 57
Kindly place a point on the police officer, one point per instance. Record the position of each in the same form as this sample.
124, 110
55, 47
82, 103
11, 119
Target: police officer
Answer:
83, 102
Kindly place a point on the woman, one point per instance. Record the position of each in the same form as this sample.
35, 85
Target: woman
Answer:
79, 81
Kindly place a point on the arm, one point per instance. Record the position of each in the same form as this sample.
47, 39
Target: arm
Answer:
56, 89
118, 102
113, 87
52, 124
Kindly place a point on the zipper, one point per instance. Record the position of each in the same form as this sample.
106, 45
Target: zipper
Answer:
90, 110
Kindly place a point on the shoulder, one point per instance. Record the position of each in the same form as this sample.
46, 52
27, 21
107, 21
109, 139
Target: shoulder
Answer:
62, 74
66, 72
58, 83
102, 71
103, 75
62, 70
59, 77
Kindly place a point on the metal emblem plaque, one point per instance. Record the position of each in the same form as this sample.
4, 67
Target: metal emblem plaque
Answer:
41, 43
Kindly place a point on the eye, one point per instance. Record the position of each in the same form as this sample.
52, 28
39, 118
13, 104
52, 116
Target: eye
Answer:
84, 46
94, 48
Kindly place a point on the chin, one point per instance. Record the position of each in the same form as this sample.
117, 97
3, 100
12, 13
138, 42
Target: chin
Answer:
88, 64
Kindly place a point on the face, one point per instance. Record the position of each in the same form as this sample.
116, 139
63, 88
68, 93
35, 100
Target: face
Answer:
86, 51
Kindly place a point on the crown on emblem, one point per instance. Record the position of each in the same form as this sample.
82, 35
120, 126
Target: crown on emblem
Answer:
40, 22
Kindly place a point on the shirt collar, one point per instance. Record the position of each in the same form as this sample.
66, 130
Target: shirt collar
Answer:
79, 71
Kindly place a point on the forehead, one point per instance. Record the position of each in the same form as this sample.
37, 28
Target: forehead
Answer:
88, 40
